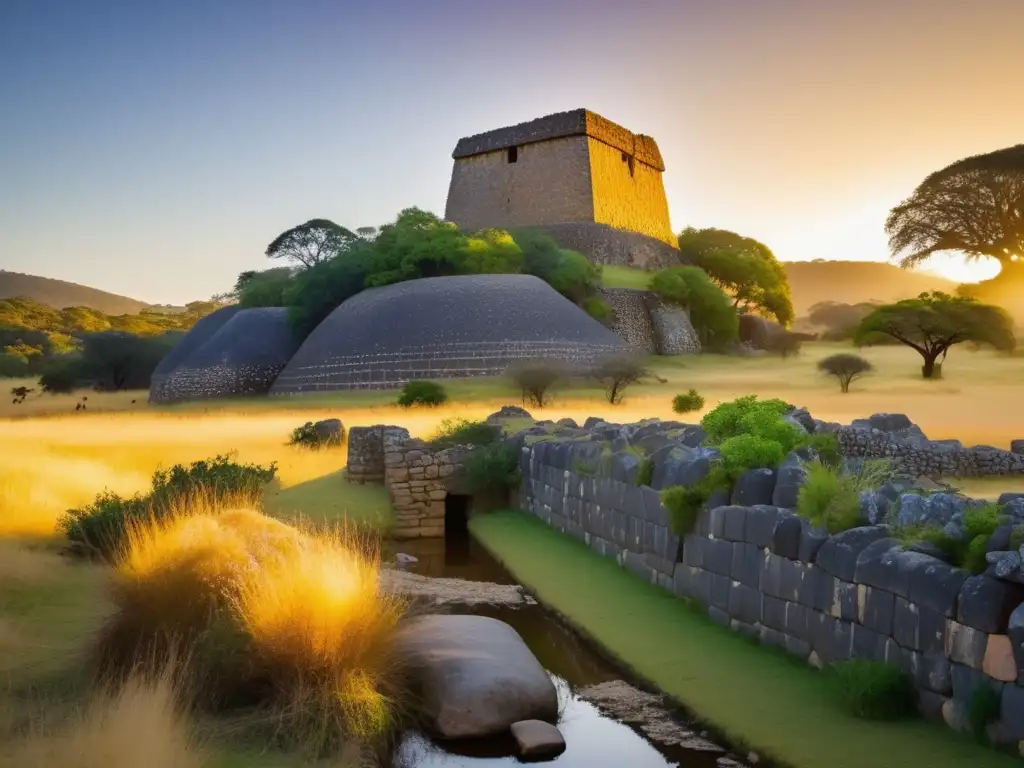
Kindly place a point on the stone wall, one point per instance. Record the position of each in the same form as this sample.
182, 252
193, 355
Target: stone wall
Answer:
417, 480
548, 183
366, 454
761, 570
643, 320
603, 244
893, 436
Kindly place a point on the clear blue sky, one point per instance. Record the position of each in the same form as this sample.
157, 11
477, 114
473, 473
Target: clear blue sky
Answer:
153, 148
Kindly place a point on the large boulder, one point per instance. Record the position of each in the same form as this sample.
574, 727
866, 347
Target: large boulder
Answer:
474, 676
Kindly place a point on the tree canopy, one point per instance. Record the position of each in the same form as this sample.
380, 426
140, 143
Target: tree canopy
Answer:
744, 268
418, 244
974, 206
711, 311
312, 243
265, 288
934, 322
32, 333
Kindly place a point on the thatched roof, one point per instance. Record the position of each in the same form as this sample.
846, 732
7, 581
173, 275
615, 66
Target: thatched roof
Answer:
577, 122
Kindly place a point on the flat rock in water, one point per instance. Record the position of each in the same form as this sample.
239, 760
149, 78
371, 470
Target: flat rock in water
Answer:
635, 707
536, 739
474, 676
452, 591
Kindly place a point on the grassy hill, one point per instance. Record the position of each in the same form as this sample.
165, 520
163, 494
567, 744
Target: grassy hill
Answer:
61, 294
852, 282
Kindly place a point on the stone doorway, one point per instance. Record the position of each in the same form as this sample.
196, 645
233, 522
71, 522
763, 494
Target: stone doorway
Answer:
456, 518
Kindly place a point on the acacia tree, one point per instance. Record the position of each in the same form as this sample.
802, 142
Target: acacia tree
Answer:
744, 268
846, 367
312, 243
974, 206
934, 322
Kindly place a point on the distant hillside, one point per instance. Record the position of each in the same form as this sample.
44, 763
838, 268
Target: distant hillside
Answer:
852, 282
61, 294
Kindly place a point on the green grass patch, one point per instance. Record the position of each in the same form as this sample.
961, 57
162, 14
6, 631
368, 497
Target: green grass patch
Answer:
874, 690
329, 500
625, 277
781, 709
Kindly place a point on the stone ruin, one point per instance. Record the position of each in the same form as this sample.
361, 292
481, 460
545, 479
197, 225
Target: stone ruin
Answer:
757, 567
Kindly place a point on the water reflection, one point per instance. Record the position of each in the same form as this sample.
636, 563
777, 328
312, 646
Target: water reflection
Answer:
592, 740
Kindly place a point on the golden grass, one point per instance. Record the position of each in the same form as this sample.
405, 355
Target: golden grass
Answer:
138, 724
59, 459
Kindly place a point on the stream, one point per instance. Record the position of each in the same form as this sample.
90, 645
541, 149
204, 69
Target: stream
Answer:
593, 739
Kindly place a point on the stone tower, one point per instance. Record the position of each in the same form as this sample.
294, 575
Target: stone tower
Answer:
594, 186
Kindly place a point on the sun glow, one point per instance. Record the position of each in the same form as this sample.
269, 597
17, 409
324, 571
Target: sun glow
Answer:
954, 266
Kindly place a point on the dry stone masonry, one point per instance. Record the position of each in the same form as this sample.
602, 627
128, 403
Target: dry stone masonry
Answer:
893, 436
761, 570
645, 321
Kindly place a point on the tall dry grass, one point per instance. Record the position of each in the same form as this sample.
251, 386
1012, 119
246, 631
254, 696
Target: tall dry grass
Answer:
292, 622
138, 723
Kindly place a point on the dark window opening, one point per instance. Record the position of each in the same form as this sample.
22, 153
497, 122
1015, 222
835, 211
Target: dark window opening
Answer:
513, 154
630, 161
456, 518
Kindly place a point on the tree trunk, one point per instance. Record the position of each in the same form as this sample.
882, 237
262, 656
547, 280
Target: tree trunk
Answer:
928, 369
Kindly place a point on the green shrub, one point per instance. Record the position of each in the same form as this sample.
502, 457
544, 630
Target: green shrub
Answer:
967, 552
984, 708
873, 690
830, 498
453, 432
738, 416
687, 402
645, 473
826, 445
491, 467
751, 451
599, 309
428, 393
308, 436
684, 503
103, 524
711, 311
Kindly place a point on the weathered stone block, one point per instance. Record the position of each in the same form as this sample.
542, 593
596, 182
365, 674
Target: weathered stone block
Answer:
746, 565
654, 510
683, 580
755, 486
929, 671
796, 646
772, 637
831, 638
760, 525
936, 585
797, 619
747, 630
635, 563
715, 521
735, 522
719, 588
771, 575
999, 662
773, 613
1013, 709
987, 603
745, 604
876, 609
1016, 633
718, 556
786, 536
693, 550
792, 579
719, 616
811, 540
837, 598
967, 680
838, 556
965, 645
868, 644
659, 564
876, 566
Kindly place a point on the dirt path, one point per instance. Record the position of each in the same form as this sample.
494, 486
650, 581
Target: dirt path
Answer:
440, 591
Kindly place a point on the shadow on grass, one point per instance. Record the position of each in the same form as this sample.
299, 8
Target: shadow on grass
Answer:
331, 499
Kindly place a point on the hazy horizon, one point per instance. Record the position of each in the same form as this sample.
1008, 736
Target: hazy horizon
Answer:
154, 152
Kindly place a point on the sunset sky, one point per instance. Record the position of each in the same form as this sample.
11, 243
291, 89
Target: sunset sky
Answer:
153, 149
